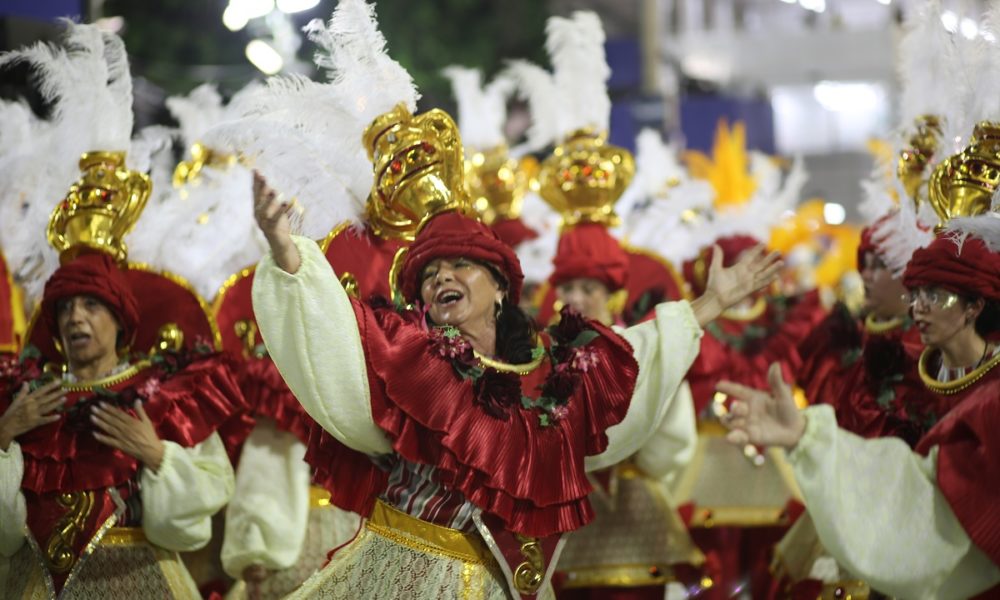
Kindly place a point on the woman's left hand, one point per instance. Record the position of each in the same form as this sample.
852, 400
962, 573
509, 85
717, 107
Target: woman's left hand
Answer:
754, 271
134, 436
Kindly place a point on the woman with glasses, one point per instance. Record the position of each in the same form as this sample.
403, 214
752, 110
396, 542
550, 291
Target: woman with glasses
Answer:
923, 523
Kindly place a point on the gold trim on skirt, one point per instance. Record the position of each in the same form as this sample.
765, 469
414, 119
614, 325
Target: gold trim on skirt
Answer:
412, 532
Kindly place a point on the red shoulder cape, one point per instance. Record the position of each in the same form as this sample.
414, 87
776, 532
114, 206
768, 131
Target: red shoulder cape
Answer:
530, 477
968, 465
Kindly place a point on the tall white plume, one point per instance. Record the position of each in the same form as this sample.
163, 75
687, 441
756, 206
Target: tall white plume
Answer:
85, 80
482, 110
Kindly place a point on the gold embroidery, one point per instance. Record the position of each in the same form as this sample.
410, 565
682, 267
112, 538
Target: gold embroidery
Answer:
318, 497
246, 330
59, 549
957, 385
350, 284
88, 386
521, 369
879, 327
528, 575
423, 536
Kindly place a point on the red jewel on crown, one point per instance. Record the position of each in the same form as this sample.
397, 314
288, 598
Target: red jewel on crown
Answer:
396, 166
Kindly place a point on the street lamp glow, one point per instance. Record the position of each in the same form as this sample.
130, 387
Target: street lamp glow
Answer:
833, 213
294, 6
950, 21
234, 18
968, 28
264, 57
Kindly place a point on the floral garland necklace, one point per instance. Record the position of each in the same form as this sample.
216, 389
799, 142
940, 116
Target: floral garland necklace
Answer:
496, 385
30, 367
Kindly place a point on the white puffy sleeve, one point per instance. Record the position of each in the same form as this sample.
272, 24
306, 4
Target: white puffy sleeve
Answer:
664, 348
310, 331
266, 519
179, 499
13, 513
672, 445
878, 511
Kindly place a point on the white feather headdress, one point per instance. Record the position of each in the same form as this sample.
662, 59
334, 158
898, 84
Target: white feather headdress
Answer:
481, 109
575, 95
86, 82
203, 230
658, 208
305, 136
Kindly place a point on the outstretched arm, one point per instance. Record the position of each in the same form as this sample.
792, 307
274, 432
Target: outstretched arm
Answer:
875, 503
311, 332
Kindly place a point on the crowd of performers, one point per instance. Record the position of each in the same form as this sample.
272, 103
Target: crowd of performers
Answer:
350, 351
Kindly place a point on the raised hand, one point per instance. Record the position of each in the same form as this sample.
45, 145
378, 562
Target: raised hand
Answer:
761, 418
272, 217
754, 270
134, 436
30, 410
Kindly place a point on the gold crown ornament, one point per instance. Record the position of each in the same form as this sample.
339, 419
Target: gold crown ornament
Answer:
584, 177
963, 184
917, 155
497, 183
100, 208
188, 171
419, 171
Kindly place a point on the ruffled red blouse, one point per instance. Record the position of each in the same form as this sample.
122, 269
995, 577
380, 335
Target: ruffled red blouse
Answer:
529, 476
64, 464
968, 464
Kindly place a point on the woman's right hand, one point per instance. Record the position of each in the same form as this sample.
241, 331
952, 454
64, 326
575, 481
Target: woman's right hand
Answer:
30, 410
761, 418
272, 218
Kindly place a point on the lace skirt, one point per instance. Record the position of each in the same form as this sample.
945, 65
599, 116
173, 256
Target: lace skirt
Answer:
121, 565
404, 560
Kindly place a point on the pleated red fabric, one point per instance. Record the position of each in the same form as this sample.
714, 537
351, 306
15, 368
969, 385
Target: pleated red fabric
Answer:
968, 465
529, 476
185, 407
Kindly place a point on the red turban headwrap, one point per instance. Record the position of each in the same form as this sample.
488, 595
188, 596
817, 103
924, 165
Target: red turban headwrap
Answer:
514, 232
696, 270
971, 270
451, 235
96, 275
588, 250
867, 244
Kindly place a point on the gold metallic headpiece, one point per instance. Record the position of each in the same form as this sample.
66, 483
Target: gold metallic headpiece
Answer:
584, 177
914, 159
963, 185
497, 183
100, 208
202, 156
419, 171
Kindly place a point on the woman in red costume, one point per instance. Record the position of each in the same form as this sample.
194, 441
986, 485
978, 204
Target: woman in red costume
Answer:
113, 467
629, 551
914, 523
464, 434
866, 371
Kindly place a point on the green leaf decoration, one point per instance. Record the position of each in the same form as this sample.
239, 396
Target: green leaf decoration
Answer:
583, 338
543, 419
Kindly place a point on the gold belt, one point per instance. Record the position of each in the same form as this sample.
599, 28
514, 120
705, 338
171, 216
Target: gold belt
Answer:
420, 535
124, 536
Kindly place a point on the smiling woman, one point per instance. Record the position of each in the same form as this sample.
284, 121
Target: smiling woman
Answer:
465, 435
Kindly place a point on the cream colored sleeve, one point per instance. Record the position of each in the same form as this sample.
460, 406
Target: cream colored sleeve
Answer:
878, 511
664, 347
13, 513
179, 499
266, 519
672, 445
310, 331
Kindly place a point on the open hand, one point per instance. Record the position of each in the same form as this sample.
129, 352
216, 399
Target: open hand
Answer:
761, 418
272, 217
134, 436
754, 270
30, 410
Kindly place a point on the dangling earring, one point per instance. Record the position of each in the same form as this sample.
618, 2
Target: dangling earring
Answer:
497, 310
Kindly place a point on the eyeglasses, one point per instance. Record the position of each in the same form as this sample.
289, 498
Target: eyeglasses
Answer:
931, 297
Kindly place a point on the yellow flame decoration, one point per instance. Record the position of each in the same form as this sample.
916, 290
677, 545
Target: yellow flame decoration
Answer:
728, 169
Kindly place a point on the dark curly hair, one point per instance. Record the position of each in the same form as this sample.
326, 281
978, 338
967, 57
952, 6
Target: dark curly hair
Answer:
988, 322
